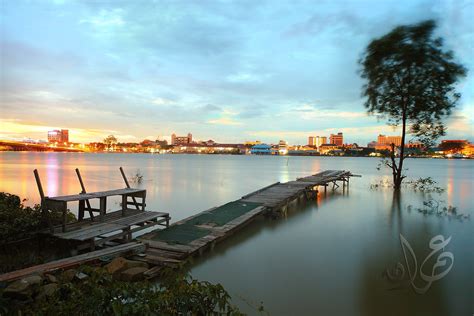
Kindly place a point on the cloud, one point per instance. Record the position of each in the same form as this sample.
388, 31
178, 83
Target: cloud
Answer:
105, 19
162, 101
313, 112
243, 77
210, 67
16, 129
224, 121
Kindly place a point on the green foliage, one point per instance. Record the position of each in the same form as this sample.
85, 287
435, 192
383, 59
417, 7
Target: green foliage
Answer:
137, 177
452, 146
411, 81
425, 185
440, 209
18, 221
100, 294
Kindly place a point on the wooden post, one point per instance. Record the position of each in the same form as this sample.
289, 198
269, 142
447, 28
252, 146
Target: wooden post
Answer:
124, 177
128, 186
64, 209
81, 209
38, 183
44, 208
103, 207
83, 188
124, 204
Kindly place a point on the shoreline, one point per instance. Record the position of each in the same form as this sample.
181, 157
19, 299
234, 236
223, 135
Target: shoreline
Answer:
228, 154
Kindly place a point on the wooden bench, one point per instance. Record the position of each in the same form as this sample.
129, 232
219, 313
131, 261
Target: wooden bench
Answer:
98, 233
111, 226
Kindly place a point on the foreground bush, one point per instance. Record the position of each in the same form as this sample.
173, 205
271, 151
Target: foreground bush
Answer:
18, 221
100, 294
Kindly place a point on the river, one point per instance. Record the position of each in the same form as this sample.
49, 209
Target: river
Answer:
326, 257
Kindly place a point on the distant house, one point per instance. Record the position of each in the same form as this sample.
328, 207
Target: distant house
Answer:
261, 149
325, 149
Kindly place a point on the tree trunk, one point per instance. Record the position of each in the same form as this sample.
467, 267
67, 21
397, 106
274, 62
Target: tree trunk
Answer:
399, 177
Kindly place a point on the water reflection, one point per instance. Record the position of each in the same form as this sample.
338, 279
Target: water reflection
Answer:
326, 257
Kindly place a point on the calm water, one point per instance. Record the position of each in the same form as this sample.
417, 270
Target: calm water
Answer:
326, 257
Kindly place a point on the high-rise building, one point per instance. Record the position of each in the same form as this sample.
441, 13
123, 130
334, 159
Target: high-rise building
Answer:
336, 139
181, 140
317, 140
58, 136
388, 140
321, 140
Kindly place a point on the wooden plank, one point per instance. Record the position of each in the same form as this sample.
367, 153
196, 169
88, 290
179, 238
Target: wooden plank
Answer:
67, 263
153, 272
276, 183
139, 218
159, 259
91, 231
94, 195
166, 246
165, 253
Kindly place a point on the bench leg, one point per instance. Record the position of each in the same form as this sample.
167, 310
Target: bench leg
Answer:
128, 236
103, 207
81, 210
124, 204
64, 209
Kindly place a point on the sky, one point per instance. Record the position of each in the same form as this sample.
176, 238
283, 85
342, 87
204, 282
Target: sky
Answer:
231, 71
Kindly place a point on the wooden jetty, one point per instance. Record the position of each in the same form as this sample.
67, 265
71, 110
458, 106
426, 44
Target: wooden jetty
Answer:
193, 235
72, 262
171, 246
97, 230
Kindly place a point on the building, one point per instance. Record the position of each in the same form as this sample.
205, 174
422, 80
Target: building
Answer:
261, 149
336, 139
328, 149
58, 136
252, 143
317, 141
209, 148
389, 140
453, 146
321, 140
282, 147
181, 140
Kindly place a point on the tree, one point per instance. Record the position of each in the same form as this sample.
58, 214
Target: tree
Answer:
110, 141
453, 146
411, 81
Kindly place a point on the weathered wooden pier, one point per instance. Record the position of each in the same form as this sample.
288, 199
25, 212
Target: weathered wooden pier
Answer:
172, 245
195, 234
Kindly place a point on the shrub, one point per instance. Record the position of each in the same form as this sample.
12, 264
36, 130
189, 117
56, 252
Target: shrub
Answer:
18, 221
100, 294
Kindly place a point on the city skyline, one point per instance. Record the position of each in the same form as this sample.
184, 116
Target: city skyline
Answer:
228, 72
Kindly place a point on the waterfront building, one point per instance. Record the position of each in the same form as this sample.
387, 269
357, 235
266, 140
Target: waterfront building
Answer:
261, 149
326, 149
389, 140
282, 147
58, 136
212, 148
317, 141
252, 143
321, 140
336, 139
181, 140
